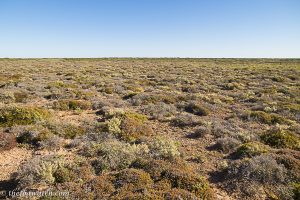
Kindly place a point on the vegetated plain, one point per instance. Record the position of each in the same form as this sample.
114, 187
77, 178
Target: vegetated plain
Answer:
122, 128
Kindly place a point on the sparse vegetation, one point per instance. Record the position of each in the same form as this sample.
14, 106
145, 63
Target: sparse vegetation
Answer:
163, 128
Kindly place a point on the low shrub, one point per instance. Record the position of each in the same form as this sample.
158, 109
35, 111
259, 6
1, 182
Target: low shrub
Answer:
7, 97
232, 86
72, 105
200, 132
12, 115
296, 191
133, 178
176, 193
129, 126
134, 129
102, 186
290, 160
179, 174
265, 118
251, 149
38, 171
227, 144
184, 120
259, 176
277, 79
113, 154
160, 111
48, 171
152, 98
134, 184
281, 139
65, 130
162, 147
7, 141
262, 169
197, 109
33, 134
54, 142
20, 96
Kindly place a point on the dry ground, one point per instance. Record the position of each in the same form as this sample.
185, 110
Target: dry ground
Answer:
151, 128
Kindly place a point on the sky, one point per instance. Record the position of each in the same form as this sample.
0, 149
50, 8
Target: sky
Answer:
150, 28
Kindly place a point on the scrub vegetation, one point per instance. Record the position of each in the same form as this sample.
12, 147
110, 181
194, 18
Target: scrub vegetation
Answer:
124, 128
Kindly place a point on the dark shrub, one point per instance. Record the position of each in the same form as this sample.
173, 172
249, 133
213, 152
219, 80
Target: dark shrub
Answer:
7, 141
196, 109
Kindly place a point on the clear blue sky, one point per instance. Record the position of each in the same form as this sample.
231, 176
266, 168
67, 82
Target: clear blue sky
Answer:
150, 28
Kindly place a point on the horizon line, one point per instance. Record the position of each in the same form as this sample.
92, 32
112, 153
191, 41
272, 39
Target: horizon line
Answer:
154, 57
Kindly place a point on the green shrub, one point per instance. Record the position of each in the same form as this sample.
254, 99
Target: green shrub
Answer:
63, 174
128, 126
162, 147
72, 105
7, 79
114, 126
251, 149
294, 108
10, 116
296, 191
266, 118
277, 79
133, 129
65, 130
281, 139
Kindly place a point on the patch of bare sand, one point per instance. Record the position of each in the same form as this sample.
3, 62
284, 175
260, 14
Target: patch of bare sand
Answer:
10, 161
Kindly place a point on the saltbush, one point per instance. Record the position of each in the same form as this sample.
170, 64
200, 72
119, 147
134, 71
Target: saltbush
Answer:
13, 115
251, 149
160, 111
265, 118
128, 126
162, 147
113, 154
281, 139
263, 169
72, 105
184, 120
